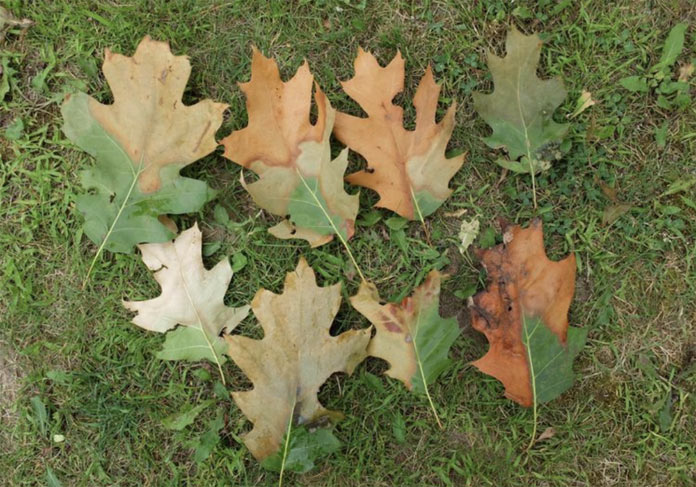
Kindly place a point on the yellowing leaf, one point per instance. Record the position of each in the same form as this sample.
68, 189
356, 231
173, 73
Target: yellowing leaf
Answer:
292, 157
583, 102
411, 335
191, 297
408, 168
520, 109
140, 143
294, 358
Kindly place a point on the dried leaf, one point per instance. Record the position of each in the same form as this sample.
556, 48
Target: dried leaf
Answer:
685, 72
520, 109
140, 143
524, 315
292, 157
295, 357
583, 102
468, 231
411, 335
547, 434
191, 297
408, 168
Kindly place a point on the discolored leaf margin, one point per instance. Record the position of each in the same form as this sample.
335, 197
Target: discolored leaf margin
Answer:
407, 168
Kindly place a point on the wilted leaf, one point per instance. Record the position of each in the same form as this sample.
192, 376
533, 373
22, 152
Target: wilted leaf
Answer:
468, 231
613, 212
520, 109
524, 315
583, 102
140, 143
685, 73
408, 168
7, 20
411, 335
295, 357
292, 157
191, 297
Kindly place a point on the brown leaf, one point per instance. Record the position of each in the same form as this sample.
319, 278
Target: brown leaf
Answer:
522, 282
148, 118
408, 168
291, 156
294, 358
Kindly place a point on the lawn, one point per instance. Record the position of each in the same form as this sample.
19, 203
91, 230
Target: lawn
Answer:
82, 394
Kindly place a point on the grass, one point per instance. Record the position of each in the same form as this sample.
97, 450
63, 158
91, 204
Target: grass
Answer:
74, 353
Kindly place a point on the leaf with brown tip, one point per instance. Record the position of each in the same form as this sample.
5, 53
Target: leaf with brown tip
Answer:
294, 358
192, 297
524, 315
141, 141
408, 168
292, 157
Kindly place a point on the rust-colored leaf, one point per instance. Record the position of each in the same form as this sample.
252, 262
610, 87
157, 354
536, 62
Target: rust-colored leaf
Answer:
292, 156
408, 168
527, 294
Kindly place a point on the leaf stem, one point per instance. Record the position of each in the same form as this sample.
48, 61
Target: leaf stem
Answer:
287, 444
532, 170
333, 225
113, 224
420, 217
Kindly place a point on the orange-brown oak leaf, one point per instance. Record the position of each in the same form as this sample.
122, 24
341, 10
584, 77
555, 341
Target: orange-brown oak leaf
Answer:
524, 315
292, 156
407, 168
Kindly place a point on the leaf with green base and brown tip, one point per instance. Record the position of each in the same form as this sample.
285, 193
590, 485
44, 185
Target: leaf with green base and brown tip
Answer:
524, 315
411, 335
295, 357
407, 168
520, 109
292, 157
192, 297
140, 143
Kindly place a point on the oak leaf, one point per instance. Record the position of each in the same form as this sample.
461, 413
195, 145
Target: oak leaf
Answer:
524, 315
140, 143
192, 297
408, 168
292, 157
520, 109
411, 336
294, 358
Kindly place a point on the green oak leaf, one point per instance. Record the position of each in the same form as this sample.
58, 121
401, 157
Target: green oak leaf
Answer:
550, 362
140, 143
520, 109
